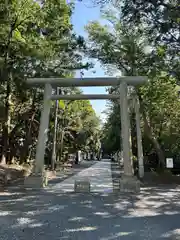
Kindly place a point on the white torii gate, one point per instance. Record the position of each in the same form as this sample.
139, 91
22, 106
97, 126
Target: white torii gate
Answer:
122, 82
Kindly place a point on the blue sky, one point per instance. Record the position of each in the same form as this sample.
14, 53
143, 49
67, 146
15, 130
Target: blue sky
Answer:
82, 15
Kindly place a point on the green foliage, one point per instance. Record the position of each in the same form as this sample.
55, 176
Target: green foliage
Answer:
37, 40
161, 25
112, 130
161, 103
131, 48
78, 126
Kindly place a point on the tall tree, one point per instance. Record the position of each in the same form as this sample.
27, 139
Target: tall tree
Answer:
161, 23
111, 136
37, 40
78, 126
119, 46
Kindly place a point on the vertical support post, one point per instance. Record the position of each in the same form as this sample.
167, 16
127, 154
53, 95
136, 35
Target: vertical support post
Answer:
44, 123
53, 158
125, 130
139, 139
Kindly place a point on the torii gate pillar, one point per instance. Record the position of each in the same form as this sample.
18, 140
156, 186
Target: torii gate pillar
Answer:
128, 182
39, 178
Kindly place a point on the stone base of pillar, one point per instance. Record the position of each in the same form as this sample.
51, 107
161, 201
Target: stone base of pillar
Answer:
129, 184
141, 171
35, 181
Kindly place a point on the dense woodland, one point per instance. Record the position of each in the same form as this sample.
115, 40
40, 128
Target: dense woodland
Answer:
139, 38
143, 38
37, 40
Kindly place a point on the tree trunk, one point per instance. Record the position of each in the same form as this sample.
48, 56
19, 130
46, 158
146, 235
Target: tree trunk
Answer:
61, 145
28, 141
28, 136
6, 124
133, 134
13, 150
7, 77
149, 133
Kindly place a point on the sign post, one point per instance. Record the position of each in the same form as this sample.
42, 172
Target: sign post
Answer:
169, 163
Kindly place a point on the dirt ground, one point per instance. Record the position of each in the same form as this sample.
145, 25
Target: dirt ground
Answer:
163, 178
12, 173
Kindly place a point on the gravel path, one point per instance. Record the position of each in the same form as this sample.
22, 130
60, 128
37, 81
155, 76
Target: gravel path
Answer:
63, 175
99, 176
42, 215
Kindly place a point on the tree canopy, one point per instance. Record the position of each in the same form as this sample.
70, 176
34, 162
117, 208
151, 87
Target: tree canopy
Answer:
127, 46
37, 40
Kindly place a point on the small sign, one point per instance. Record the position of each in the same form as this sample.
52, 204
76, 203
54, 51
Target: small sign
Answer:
169, 162
82, 186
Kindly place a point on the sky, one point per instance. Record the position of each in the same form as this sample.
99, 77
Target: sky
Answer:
82, 15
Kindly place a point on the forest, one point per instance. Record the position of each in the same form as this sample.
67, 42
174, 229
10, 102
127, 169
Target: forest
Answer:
37, 39
143, 38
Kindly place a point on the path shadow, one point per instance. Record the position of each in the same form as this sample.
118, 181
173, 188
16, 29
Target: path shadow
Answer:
69, 172
47, 214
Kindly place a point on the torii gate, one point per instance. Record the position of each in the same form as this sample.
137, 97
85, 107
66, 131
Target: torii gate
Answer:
122, 82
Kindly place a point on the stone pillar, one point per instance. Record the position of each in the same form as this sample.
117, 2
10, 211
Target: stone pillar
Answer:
139, 139
125, 130
43, 130
128, 183
38, 177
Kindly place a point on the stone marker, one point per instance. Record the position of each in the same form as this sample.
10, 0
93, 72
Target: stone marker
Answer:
129, 184
36, 181
82, 186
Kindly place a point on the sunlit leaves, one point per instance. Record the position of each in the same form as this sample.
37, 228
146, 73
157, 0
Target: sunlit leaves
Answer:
17, 35
123, 45
78, 120
61, 104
